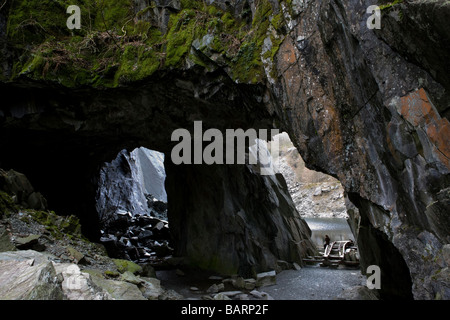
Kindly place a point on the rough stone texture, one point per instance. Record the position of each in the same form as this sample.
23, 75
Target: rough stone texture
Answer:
369, 107
119, 290
254, 224
314, 194
78, 285
373, 122
31, 275
118, 191
28, 279
126, 181
19, 187
357, 293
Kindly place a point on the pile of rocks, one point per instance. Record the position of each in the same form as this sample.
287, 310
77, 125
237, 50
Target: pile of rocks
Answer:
44, 256
32, 275
140, 238
234, 287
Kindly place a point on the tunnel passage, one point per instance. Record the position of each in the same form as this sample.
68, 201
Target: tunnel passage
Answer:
61, 137
226, 218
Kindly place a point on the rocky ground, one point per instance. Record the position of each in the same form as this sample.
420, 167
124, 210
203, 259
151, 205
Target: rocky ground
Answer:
44, 256
308, 283
317, 283
315, 194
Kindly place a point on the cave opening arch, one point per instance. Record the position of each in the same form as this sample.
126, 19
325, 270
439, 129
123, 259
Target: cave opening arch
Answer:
60, 137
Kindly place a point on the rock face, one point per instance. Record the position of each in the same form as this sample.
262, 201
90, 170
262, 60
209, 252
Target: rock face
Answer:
132, 206
28, 280
18, 185
130, 183
373, 122
251, 219
369, 107
314, 194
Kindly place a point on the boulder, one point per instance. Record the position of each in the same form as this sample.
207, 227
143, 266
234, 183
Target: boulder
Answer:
261, 295
29, 279
119, 290
250, 284
148, 271
18, 185
5, 240
170, 295
77, 256
126, 265
152, 290
29, 242
266, 279
130, 277
215, 288
78, 285
221, 296
296, 266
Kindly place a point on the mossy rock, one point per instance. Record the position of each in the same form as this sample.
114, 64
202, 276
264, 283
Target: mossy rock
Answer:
6, 204
71, 225
126, 265
115, 47
111, 274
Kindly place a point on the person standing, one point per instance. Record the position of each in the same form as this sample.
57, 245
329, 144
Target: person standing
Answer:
327, 241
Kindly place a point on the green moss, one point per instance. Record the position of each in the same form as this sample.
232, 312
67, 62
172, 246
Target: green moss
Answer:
183, 30
126, 265
115, 47
58, 226
111, 15
228, 20
111, 274
389, 5
247, 65
71, 225
278, 21
32, 21
136, 63
6, 204
191, 4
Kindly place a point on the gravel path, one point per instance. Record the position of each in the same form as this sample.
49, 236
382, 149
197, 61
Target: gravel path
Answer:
313, 283
309, 283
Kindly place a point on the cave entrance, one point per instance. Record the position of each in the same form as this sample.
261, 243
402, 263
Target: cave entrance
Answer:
131, 204
318, 197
